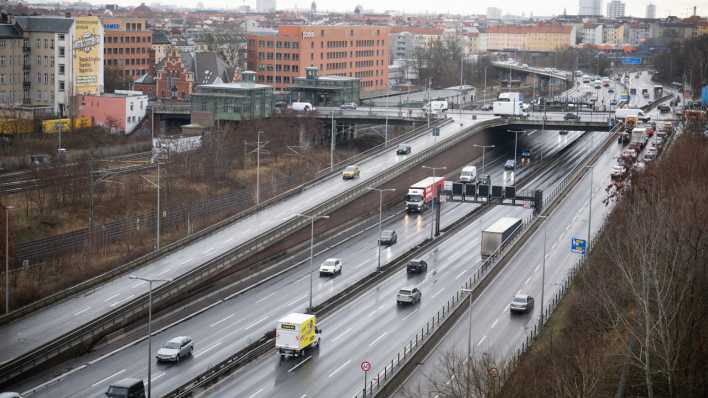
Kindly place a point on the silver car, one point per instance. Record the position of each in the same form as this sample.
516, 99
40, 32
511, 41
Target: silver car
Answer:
408, 295
175, 349
521, 303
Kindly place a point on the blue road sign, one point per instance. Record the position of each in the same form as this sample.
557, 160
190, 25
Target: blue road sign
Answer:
631, 61
578, 246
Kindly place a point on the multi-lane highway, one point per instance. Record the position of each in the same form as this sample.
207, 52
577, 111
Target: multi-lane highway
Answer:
494, 329
231, 325
372, 327
46, 324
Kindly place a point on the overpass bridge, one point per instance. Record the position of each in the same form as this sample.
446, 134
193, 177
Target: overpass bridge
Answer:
549, 124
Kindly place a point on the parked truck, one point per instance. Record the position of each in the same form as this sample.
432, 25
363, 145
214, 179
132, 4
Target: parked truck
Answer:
499, 233
295, 334
421, 194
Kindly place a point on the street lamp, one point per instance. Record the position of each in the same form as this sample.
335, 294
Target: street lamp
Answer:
484, 91
157, 214
312, 240
7, 258
484, 148
380, 191
543, 269
516, 144
432, 224
469, 340
150, 282
592, 169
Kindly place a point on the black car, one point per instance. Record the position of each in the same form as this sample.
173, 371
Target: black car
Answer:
416, 266
570, 116
403, 149
664, 108
563, 132
388, 237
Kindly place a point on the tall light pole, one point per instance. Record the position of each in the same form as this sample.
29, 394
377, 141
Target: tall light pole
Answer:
430, 107
484, 148
592, 170
543, 268
516, 144
381, 192
484, 91
312, 246
157, 213
332, 143
469, 341
150, 281
258, 166
7, 258
435, 194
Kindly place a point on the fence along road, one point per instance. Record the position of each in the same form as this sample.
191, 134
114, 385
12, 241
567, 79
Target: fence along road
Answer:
95, 311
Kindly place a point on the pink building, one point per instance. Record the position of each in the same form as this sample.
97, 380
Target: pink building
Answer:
120, 112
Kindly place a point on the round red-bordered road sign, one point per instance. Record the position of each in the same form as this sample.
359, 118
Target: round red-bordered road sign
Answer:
366, 366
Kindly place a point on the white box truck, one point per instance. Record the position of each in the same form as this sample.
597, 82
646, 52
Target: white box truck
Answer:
295, 334
435, 106
499, 233
505, 108
621, 114
468, 174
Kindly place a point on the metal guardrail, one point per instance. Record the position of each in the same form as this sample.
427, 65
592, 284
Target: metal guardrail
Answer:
22, 311
651, 105
169, 292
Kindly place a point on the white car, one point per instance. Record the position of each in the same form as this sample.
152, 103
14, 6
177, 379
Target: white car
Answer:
331, 266
175, 349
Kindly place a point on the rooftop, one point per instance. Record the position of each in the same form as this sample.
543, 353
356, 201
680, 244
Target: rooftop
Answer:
9, 32
44, 24
235, 86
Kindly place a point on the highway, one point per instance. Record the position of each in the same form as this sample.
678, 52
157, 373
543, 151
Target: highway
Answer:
231, 325
46, 324
494, 330
372, 327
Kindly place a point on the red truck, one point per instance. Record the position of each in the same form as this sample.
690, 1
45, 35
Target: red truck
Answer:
420, 195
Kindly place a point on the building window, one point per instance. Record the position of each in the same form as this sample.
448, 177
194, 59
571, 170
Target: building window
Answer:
46, 78
61, 85
2, 78
322, 32
2, 43
39, 60
61, 36
46, 43
39, 77
61, 69
2, 60
61, 51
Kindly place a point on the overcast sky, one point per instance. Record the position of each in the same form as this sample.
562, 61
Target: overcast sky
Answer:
682, 8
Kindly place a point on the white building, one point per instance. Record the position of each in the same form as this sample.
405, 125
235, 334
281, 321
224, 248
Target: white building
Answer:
494, 13
590, 7
265, 5
651, 11
615, 9
592, 33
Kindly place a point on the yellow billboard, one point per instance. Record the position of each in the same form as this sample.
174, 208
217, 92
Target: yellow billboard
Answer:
88, 55
52, 126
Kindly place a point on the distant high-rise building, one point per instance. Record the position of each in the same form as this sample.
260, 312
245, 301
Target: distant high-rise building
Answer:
265, 5
651, 11
590, 7
494, 13
615, 9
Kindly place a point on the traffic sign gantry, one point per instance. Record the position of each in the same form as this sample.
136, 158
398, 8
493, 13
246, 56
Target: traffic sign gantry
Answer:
366, 366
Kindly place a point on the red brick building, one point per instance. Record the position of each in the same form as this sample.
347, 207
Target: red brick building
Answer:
351, 51
174, 76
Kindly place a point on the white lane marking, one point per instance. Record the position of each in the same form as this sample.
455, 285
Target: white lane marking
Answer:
361, 264
506, 309
376, 340
255, 393
256, 322
494, 323
166, 270
537, 268
460, 274
482, 340
339, 368
108, 378
138, 284
265, 298
157, 376
410, 315
221, 321
123, 300
112, 297
82, 311
209, 250
299, 364
527, 281
229, 240
297, 300
342, 335
436, 293
376, 310
204, 351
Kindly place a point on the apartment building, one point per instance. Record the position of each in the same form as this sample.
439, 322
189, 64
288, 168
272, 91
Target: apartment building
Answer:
11, 70
615, 9
613, 34
128, 46
279, 56
542, 37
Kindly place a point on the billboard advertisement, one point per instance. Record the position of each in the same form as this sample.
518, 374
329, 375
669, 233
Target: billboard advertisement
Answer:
88, 55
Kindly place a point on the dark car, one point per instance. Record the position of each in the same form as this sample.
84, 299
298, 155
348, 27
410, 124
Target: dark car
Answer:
403, 149
388, 237
563, 132
521, 303
664, 108
570, 116
526, 154
416, 266
126, 388
486, 107
610, 91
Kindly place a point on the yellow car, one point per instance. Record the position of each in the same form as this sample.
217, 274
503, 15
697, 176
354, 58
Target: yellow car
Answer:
350, 172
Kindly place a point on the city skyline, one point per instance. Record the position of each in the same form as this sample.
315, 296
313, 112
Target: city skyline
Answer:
634, 8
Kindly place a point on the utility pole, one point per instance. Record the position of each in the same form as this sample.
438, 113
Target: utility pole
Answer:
435, 194
331, 145
259, 146
7, 258
381, 192
430, 108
